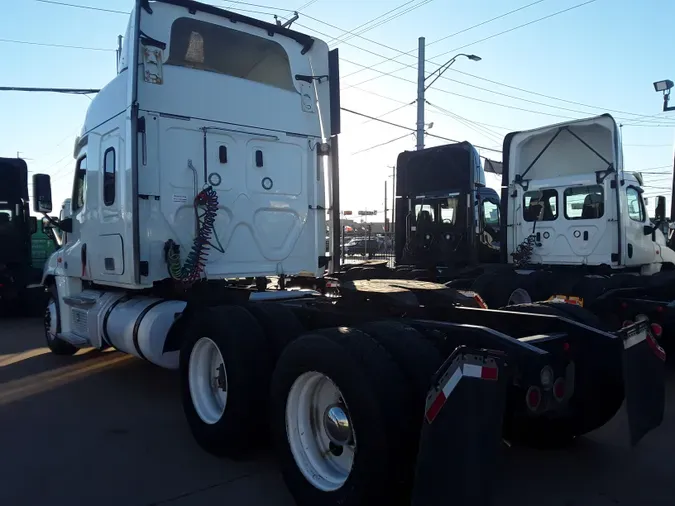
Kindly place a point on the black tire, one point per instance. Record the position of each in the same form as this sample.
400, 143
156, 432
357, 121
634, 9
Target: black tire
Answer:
248, 363
279, 323
496, 289
376, 394
589, 288
417, 358
56, 345
625, 280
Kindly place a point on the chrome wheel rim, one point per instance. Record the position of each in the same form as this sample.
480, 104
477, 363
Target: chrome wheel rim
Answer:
207, 378
319, 431
519, 296
51, 320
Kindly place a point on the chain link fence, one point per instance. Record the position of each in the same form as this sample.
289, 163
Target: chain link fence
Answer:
362, 243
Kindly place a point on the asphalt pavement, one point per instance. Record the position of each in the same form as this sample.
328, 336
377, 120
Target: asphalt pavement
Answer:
108, 429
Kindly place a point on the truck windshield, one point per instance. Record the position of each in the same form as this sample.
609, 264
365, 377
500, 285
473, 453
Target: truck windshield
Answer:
206, 46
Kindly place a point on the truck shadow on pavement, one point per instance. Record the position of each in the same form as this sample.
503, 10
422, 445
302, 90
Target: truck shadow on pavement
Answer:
82, 420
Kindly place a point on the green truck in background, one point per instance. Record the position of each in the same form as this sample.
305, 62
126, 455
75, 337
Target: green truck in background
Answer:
43, 245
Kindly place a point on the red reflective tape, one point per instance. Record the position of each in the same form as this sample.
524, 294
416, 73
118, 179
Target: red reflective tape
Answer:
658, 351
435, 407
489, 373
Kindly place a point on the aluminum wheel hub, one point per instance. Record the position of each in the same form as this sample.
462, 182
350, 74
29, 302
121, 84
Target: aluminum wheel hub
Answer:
337, 426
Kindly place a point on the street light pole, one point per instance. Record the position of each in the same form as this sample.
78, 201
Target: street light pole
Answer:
421, 88
420, 94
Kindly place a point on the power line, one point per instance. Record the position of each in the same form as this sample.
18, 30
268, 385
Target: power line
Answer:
305, 5
45, 44
53, 2
269, 7
542, 94
475, 42
497, 103
392, 111
475, 98
381, 144
77, 6
412, 129
351, 33
393, 10
382, 74
384, 21
587, 2
71, 91
412, 51
486, 132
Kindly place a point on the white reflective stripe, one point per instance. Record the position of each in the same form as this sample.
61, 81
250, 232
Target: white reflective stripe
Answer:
636, 339
452, 382
475, 371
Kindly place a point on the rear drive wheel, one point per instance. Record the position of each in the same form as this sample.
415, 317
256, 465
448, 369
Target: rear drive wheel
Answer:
279, 323
337, 399
52, 322
225, 368
505, 289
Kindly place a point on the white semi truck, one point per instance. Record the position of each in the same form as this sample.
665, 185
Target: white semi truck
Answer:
204, 161
572, 222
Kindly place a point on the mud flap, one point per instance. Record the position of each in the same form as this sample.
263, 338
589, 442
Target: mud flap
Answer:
644, 380
461, 433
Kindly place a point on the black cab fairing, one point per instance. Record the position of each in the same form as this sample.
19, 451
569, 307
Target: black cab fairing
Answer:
445, 216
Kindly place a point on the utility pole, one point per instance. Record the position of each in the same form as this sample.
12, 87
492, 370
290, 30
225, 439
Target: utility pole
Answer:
386, 228
420, 94
393, 197
422, 86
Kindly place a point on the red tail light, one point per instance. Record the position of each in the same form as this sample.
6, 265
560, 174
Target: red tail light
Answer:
533, 398
559, 389
657, 330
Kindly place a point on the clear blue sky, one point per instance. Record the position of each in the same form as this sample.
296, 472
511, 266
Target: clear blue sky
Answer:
604, 54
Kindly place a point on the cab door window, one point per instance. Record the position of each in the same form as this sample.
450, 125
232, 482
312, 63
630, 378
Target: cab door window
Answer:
490, 214
80, 184
636, 206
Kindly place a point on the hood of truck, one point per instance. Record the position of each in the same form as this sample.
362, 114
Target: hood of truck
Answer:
564, 149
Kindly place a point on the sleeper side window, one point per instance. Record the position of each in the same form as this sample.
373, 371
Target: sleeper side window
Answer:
80, 184
109, 177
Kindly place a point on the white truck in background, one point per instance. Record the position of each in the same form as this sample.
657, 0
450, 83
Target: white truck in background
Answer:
211, 157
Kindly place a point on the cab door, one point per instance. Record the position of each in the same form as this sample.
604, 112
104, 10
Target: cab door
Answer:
640, 248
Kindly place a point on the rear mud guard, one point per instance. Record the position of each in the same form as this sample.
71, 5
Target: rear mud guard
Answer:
461, 434
644, 380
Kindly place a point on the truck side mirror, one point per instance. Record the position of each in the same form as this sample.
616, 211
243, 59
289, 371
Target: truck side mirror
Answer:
648, 229
660, 213
32, 224
42, 193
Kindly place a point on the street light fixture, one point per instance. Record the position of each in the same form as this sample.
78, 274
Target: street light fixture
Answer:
664, 87
440, 70
422, 86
